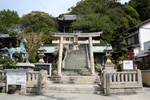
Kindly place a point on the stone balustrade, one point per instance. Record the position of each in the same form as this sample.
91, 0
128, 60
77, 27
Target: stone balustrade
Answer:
122, 81
32, 76
123, 77
34, 79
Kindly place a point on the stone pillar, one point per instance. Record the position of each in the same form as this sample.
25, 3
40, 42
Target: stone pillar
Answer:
23, 90
91, 56
107, 84
42, 80
60, 56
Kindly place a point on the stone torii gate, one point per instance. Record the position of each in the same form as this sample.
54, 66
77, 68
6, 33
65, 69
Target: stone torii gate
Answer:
76, 42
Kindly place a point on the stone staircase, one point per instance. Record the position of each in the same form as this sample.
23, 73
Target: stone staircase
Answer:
76, 62
74, 84
80, 89
75, 80
75, 76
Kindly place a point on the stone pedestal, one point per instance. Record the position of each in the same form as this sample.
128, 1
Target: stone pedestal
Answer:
25, 66
109, 68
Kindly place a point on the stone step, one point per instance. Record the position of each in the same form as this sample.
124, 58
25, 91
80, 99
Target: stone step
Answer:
76, 59
91, 89
75, 72
75, 80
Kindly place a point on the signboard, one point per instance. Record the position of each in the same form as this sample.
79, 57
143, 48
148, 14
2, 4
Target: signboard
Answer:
128, 64
16, 78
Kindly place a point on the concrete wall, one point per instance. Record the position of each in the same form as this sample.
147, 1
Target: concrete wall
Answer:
136, 51
144, 34
146, 76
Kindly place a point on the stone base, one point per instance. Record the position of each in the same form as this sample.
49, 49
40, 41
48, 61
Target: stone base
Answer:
109, 68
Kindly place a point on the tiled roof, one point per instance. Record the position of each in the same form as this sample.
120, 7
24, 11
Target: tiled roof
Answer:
68, 17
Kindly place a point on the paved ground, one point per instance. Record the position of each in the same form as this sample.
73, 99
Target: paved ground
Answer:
61, 96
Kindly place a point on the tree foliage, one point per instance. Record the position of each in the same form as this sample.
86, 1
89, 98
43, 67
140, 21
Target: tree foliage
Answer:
8, 21
108, 16
37, 21
142, 7
7, 63
34, 41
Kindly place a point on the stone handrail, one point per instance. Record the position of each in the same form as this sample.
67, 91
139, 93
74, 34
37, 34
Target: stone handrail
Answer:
88, 59
63, 65
2, 76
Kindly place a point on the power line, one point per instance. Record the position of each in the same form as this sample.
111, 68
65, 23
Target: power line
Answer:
42, 5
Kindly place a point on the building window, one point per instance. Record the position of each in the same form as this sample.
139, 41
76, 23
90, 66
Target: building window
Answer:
132, 40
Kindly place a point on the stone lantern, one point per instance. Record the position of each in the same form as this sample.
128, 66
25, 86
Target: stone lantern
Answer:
108, 54
41, 54
109, 66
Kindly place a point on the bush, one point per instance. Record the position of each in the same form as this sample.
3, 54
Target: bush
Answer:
7, 63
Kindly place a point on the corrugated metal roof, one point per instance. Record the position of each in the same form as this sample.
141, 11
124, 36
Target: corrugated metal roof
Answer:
70, 17
97, 49
50, 49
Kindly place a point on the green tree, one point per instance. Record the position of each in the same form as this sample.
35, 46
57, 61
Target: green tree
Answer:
142, 7
108, 16
8, 21
37, 21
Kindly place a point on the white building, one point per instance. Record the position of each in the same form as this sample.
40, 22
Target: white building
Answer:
138, 35
137, 41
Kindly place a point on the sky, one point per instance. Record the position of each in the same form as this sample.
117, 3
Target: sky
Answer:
53, 7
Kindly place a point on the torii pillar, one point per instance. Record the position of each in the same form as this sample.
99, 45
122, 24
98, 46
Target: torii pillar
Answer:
75, 35
91, 56
60, 56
